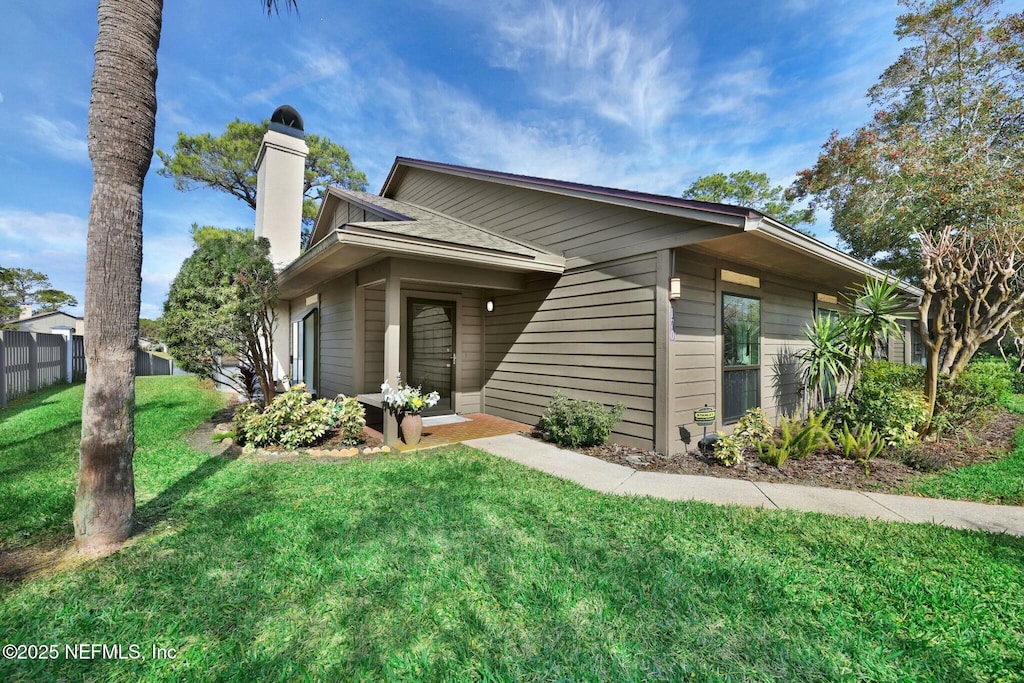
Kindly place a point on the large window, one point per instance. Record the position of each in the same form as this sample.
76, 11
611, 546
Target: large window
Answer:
741, 357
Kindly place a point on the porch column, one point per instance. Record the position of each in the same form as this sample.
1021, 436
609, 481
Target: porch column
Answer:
663, 376
392, 342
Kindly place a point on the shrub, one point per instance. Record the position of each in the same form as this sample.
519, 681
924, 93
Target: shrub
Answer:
797, 439
773, 453
349, 418
729, 449
293, 419
972, 395
576, 423
888, 397
860, 444
753, 427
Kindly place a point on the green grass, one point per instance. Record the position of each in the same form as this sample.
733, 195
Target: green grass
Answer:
39, 438
1000, 481
455, 565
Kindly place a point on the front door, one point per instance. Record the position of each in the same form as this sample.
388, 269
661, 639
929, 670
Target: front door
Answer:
431, 351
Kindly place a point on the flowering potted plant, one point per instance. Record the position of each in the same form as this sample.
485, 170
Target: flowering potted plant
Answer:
406, 403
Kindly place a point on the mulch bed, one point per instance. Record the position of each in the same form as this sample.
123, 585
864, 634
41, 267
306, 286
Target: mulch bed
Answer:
828, 467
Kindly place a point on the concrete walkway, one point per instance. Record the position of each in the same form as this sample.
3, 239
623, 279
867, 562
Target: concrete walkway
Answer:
599, 475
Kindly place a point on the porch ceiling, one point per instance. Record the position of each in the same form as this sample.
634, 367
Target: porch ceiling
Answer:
351, 247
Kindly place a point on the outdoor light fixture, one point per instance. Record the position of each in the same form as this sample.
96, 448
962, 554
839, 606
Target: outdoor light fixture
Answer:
675, 288
489, 305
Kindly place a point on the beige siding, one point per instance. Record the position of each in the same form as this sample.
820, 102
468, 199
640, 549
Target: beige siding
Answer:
337, 339
469, 364
573, 227
787, 305
785, 310
694, 348
373, 339
589, 333
897, 345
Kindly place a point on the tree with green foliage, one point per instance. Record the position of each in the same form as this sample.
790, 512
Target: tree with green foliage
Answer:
151, 329
221, 305
227, 163
752, 190
932, 188
26, 287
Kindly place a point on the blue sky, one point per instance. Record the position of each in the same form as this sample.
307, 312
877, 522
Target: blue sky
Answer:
646, 96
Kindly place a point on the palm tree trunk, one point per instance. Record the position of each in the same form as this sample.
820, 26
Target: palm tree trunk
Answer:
122, 120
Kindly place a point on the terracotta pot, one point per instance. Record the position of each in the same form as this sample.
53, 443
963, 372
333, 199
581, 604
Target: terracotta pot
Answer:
412, 428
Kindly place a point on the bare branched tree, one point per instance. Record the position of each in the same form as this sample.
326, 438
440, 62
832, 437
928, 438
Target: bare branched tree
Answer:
972, 291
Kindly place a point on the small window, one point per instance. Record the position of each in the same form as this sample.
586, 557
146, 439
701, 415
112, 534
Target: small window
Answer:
741, 355
916, 344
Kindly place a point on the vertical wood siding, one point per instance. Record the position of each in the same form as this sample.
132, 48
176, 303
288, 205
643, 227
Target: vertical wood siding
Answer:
589, 333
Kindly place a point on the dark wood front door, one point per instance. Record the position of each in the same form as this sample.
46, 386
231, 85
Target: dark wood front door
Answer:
431, 350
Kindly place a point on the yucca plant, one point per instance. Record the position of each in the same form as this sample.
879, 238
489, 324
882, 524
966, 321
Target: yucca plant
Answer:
872, 318
828, 359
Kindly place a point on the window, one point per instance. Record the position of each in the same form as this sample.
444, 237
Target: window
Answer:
916, 344
741, 355
304, 350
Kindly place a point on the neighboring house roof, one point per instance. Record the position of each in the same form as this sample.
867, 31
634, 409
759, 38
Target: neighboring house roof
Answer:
41, 316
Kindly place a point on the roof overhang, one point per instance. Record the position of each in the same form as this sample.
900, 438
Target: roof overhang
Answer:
768, 245
353, 246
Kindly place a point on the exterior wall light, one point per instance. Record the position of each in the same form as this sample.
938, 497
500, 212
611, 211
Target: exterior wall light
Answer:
675, 288
489, 305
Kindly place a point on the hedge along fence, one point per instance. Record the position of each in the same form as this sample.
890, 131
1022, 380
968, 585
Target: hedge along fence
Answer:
30, 361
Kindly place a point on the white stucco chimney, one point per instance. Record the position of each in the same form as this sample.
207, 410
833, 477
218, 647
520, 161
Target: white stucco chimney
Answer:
280, 167
26, 312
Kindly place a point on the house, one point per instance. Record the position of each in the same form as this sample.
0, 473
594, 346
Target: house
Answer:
54, 322
497, 289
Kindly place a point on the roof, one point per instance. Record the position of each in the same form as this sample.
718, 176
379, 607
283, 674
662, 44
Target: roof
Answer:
749, 221
566, 187
40, 316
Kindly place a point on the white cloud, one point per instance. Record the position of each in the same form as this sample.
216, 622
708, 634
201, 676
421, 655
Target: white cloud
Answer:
59, 137
317, 67
49, 232
740, 88
578, 54
51, 243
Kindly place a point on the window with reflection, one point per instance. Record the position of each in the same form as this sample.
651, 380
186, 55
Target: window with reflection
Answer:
741, 355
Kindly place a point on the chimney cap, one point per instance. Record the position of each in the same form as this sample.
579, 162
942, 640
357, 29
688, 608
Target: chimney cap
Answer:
288, 121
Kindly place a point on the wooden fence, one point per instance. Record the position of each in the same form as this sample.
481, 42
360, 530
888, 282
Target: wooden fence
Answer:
30, 361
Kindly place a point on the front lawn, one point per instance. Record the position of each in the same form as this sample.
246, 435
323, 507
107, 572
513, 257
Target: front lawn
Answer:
452, 564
